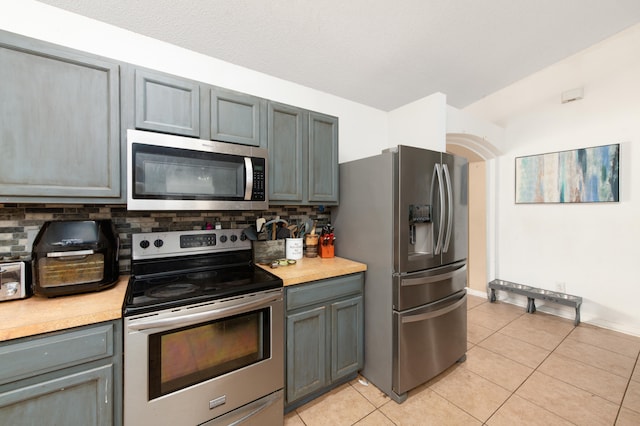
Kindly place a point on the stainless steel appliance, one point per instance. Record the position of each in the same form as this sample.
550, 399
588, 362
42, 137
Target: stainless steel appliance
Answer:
404, 213
166, 172
75, 256
15, 279
203, 332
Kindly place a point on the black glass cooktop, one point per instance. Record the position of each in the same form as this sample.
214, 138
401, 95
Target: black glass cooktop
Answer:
192, 281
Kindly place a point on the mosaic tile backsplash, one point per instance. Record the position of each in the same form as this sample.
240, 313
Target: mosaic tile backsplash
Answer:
19, 223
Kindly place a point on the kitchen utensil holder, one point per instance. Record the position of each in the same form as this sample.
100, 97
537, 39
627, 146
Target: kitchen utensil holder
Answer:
311, 245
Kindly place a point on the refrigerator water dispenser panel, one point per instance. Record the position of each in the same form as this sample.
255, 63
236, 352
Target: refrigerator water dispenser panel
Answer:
420, 230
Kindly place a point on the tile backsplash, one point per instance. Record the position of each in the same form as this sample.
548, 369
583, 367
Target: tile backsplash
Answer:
19, 223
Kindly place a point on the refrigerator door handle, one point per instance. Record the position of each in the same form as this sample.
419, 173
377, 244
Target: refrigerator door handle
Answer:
433, 314
437, 175
406, 282
447, 239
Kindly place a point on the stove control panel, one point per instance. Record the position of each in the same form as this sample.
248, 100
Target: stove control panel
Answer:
151, 245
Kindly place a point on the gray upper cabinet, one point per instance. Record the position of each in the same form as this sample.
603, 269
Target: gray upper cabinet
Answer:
238, 118
166, 104
285, 144
303, 156
59, 124
323, 158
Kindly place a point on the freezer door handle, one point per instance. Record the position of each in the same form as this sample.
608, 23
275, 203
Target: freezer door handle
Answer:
447, 177
428, 315
406, 282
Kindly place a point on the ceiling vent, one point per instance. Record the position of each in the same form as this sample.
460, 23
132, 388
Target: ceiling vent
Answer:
572, 95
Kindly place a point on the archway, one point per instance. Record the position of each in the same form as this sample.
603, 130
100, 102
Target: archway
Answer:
477, 151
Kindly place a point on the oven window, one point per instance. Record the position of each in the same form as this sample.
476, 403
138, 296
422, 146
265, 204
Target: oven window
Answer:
171, 173
186, 356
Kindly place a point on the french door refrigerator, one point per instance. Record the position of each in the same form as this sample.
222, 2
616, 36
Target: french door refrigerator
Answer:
404, 214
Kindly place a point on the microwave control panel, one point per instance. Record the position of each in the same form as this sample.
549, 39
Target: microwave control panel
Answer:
259, 178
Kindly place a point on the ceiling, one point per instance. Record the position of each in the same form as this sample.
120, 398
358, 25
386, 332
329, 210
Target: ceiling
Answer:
381, 53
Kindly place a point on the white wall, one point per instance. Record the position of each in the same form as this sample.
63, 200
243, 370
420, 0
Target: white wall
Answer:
422, 123
591, 249
362, 130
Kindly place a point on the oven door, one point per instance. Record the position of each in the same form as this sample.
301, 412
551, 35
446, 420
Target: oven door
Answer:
192, 364
169, 172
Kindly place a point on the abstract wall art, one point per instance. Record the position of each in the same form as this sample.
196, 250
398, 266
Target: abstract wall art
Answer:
585, 175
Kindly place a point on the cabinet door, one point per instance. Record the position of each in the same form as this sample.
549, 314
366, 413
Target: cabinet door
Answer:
167, 104
323, 158
59, 122
285, 139
84, 398
237, 118
347, 337
306, 349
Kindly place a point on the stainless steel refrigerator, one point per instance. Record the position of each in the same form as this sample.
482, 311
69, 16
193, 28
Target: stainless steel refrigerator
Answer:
404, 213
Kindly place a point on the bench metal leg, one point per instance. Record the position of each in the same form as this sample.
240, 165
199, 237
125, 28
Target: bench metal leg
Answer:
531, 305
577, 320
492, 297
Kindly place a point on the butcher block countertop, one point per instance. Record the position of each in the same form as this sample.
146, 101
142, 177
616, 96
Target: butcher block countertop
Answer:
36, 315
315, 268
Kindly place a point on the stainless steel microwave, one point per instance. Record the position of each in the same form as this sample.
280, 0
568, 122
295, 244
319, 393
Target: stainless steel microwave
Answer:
166, 172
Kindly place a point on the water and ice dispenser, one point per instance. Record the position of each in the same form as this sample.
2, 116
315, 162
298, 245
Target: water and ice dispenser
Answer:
420, 230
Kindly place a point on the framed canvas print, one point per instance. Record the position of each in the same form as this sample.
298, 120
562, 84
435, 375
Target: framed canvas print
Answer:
585, 175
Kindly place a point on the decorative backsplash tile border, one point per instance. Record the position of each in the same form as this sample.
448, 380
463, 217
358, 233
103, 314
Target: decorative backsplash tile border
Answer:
19, 223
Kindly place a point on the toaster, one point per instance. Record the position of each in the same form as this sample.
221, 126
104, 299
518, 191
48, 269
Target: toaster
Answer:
15, 279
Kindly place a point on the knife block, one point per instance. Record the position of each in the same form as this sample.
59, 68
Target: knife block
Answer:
326, 250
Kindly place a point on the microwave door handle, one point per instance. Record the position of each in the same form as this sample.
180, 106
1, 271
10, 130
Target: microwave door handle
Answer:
248, 188
190, 319
447, 239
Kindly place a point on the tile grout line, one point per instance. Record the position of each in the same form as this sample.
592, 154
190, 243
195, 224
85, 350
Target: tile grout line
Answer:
529, 376
627, 388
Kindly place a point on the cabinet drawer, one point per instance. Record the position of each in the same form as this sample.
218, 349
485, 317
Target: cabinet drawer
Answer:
33, 357
322, 291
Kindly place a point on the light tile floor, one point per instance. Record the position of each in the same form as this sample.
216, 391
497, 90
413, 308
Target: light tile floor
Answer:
521, 369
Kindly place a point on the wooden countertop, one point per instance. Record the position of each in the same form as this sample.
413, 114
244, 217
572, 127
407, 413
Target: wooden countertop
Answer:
315, 268
36, 315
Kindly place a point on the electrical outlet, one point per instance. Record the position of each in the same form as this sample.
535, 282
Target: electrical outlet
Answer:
561, 287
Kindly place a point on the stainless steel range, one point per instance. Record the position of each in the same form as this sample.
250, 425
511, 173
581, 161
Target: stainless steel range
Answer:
203, 328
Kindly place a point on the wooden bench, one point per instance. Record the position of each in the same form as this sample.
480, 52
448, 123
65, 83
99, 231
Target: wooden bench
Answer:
533, 293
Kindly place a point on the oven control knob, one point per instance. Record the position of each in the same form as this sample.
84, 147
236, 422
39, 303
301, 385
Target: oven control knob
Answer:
223, 238
234, 238
144, 244
158, 243
243, 237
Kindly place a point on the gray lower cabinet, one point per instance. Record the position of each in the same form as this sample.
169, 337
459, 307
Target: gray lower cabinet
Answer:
72, 377
59, 124
324, 336
303, 156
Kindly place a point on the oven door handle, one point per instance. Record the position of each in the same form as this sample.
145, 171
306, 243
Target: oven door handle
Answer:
189, 319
